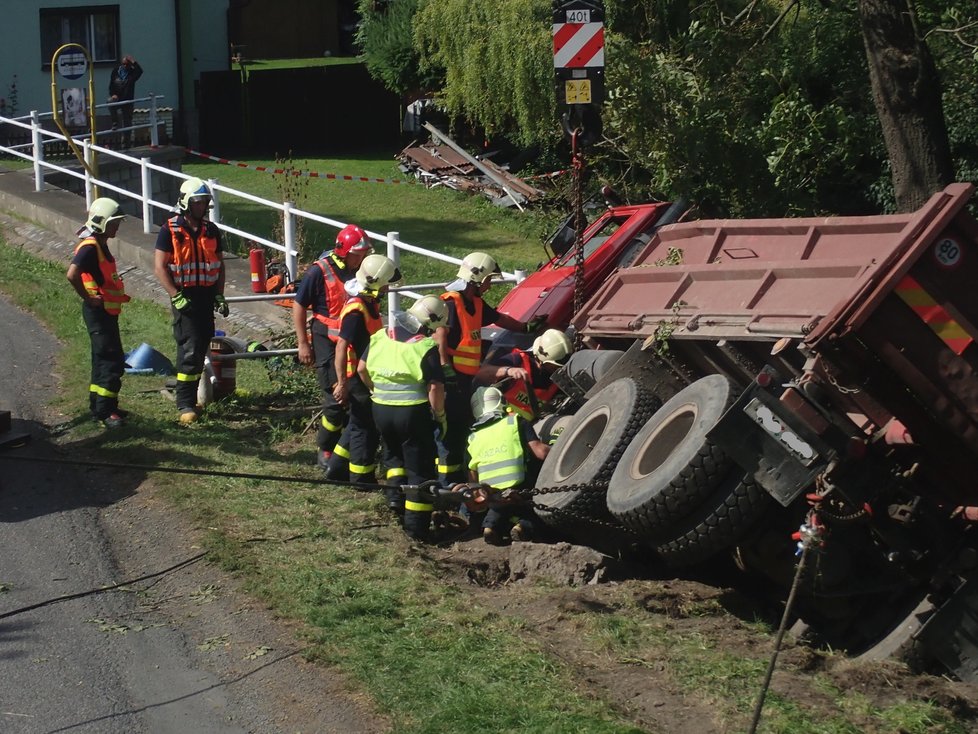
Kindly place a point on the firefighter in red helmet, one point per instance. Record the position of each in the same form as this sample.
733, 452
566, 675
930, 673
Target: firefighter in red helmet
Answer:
323, 290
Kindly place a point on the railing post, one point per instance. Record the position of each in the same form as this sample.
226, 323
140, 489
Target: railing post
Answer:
154, 136
393, 299
146, 188
38, 143
89, 193
215, 202
291, 254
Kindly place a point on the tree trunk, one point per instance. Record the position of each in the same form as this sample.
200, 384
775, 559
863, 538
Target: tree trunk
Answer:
907, 94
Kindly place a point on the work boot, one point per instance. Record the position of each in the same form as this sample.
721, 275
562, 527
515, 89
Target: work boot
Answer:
395, 500
521, 533
322, 459
113, 420
188, 416
491, 536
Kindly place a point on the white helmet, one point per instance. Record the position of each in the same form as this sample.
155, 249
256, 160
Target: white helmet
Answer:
486, 400
476, 267
375, 272
102, 212
192, 188
552, 347
430, 312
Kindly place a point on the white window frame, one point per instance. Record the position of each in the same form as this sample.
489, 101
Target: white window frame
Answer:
88, 15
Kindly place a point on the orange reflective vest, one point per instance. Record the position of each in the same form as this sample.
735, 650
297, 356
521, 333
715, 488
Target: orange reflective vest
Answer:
194, 263
467, 355
517, 395
336, 297
112, 290
371, 319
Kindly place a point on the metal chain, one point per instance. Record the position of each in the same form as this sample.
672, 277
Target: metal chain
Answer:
577, 202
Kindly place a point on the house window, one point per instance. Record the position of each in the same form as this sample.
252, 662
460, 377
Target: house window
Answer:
96, 27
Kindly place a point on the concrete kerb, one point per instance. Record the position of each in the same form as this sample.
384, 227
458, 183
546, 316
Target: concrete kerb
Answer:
47, 224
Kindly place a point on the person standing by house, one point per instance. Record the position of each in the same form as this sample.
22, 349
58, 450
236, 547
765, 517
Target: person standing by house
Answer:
408, 393
189, 264
94, 276
322, 290
122, 87
460, 349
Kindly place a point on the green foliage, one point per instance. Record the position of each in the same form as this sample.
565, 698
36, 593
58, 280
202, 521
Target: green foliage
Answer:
293, 187
385, 35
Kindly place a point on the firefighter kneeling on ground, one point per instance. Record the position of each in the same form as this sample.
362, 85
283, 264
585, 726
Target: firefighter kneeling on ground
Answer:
323, 290
521, 371
408, 394
355, 455
505, 453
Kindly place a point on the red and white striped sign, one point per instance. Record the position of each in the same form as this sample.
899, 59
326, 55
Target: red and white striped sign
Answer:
578, 45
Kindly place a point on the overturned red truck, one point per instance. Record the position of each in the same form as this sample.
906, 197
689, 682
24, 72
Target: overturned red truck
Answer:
796, 384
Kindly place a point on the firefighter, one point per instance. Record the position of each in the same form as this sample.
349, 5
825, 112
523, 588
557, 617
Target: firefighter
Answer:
189, 264
408, 393
521, 370
323, 290
355, 454
460, 351
94, 276
505, 453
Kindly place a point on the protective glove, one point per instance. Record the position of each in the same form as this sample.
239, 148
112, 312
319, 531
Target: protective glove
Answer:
180, 302
448, 370
442, 421
221, 305
535, 324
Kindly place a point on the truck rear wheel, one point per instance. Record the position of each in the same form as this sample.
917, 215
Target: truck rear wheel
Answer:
716, 524
588, 449
670, 467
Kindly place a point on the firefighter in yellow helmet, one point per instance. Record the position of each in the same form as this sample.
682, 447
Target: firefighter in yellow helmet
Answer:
189, 264
460, 350
506, 453
94, 276
355, 455
524, 374
408, 393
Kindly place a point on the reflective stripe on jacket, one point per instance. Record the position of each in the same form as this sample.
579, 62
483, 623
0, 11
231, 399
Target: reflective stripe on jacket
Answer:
371, 319
517, 394
497, 453
112, 290
336, 296
467, 355
395, 370
194, 263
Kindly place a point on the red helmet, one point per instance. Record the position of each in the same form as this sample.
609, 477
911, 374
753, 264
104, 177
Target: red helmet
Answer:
352, 239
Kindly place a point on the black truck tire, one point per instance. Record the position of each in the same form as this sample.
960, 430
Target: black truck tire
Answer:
716, 524
588, 449
670, 466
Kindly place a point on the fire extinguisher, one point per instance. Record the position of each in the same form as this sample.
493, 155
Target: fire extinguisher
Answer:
257, 259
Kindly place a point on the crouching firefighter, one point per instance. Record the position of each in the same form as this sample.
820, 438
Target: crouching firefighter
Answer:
408, 394
505, 453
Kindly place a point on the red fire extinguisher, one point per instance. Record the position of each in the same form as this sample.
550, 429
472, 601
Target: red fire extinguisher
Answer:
257, 259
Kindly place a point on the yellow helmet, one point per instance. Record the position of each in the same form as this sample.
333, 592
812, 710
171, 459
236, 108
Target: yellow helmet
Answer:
102, 212
192, 188
476, 267
377, 271
552, 347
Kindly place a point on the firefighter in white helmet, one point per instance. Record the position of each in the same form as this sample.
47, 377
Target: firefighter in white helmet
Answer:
355, 454
408, 393
460, 350
189, 264
322, 291
94, 277
506, 453
524, 374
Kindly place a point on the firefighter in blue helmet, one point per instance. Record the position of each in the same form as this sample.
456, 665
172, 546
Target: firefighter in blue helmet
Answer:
505, 453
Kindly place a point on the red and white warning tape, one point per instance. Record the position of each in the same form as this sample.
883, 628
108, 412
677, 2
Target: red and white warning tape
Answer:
310, 174
552, 174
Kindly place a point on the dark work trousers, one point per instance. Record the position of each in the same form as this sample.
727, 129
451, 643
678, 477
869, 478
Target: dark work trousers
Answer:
122, 117
193, 329
334, 415
108, 362
360, 438
452, 460
408, 441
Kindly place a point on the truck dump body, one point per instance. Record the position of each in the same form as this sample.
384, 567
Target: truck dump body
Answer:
888, 304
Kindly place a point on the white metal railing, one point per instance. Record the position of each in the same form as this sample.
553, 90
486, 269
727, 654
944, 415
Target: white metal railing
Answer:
39, 136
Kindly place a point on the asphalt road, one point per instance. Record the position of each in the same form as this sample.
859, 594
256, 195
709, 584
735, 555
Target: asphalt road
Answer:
92, 664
